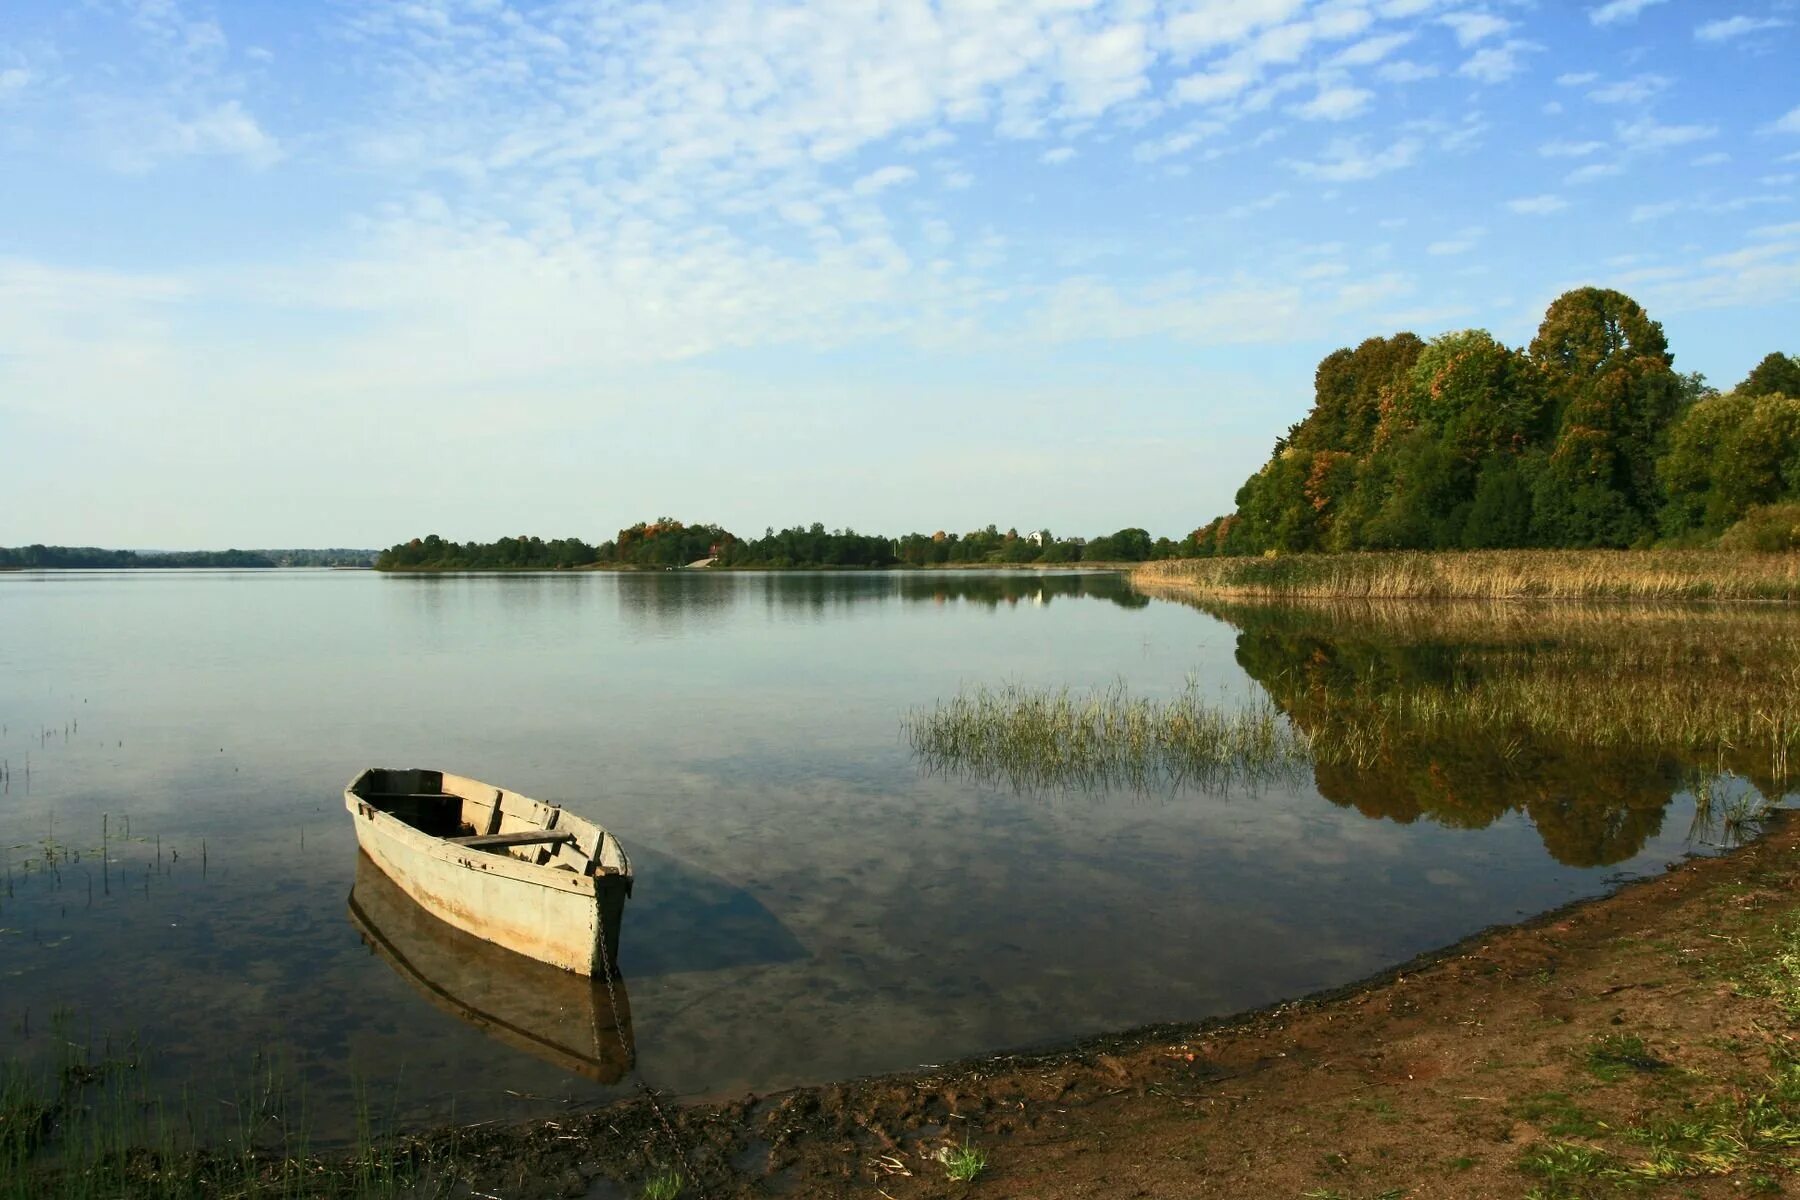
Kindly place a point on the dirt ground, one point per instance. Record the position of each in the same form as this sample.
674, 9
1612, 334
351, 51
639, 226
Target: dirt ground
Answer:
1635, 1044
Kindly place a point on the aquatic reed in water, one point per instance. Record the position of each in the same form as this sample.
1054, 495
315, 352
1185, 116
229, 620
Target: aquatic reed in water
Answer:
1040, 737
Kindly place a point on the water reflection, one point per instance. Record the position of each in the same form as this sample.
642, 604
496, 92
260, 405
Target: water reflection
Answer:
563, 1019
1588, 722
682, 598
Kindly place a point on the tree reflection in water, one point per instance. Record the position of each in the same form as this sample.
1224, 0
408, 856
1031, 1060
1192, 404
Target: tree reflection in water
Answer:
1587, 720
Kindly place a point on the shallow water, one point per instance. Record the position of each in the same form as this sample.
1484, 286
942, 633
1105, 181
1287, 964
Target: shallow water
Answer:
810, 903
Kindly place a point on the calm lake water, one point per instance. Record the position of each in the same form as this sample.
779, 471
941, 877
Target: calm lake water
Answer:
810, 903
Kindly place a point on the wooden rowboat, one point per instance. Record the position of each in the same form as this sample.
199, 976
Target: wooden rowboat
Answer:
528, 876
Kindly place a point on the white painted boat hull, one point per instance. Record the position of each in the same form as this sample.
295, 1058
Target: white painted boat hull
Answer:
563, 908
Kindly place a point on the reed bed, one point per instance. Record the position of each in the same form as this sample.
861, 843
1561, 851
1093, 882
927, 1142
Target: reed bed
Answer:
1669, 576
1098, 740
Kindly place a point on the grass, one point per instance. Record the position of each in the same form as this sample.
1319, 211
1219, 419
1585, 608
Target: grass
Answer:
1616, 1055
1685, 1127
1660, 575
1038, 737
964, 1163
664, 1185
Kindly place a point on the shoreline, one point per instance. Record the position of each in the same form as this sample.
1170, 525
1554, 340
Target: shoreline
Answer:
1115, 1113
1465, 1071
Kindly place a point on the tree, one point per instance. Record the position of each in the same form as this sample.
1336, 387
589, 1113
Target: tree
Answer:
1775, 373
1613, 390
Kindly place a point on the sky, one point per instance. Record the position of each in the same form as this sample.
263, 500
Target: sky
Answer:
302, 273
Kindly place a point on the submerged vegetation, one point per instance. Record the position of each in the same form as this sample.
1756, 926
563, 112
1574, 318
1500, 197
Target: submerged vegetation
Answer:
85, 1125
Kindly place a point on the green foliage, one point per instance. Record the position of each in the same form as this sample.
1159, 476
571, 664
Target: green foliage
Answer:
964, 1163
1728, 455
664, 1185
1775, 373
433, 553
1767, 528
666, 542
1588, 438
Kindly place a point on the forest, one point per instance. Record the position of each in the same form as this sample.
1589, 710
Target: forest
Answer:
1588, 437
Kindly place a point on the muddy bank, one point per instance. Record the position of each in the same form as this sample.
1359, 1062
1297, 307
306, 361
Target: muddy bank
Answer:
1639, 1041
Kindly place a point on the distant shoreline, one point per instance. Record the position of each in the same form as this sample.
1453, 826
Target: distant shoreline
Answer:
763, 569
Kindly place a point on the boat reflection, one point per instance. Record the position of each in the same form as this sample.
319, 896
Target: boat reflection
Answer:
560, 1017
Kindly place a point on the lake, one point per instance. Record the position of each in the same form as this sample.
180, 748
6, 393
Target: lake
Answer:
812, 902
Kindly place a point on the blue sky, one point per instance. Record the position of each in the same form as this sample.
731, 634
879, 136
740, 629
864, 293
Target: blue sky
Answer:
289, 273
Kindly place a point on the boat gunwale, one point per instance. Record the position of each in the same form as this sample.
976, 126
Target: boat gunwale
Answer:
503, 865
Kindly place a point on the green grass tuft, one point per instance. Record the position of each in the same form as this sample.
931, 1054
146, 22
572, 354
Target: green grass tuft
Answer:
964, 1163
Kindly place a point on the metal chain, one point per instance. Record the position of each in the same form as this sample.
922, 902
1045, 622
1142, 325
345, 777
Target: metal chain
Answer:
629, 1044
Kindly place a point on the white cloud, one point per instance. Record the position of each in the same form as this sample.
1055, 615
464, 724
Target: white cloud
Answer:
1462, 243
1370, 51
1335, 104
13, 79
1789, 123
1057, 157
1576, 78
1252, 207
1566, 149
1213, 86
1592, 172
1347, 160
1496, 64
1616, 11
882, 178
1223, 22
1103, 68
1405, 71
1727, 28
1629, 91
1537, 206
140, 139
1649, 134
1472, 27
1179, 142
1655, 212
1715, 159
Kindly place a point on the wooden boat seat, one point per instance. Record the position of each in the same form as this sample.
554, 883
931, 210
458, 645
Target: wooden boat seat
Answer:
525, 837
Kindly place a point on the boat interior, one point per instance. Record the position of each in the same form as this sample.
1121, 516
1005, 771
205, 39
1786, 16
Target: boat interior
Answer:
466, 813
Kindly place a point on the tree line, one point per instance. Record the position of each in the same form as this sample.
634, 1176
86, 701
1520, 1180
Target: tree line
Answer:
47, 558
1588, 437
667, 542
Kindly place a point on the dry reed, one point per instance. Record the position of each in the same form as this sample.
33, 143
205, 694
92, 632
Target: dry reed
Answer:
1659, 575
